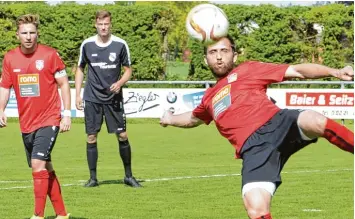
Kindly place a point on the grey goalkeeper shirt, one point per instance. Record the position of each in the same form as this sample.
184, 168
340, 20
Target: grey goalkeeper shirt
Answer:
104, 67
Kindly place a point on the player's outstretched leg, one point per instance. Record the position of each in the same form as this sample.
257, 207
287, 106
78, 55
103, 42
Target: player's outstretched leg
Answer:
92, 157
339, 135
125, 153
314, 124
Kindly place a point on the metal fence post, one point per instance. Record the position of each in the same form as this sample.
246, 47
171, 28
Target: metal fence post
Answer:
342, 85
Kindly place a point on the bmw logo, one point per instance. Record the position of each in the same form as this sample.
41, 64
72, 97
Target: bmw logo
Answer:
171, 97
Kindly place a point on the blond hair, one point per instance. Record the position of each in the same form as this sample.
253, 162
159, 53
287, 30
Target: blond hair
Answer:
28, 19
101, 14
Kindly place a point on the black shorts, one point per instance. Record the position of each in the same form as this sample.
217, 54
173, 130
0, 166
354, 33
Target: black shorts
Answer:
39, 144
267, 150
115, 117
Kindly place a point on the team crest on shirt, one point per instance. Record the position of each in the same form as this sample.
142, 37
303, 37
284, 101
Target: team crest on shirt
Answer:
221, 100
39, 64
112, 56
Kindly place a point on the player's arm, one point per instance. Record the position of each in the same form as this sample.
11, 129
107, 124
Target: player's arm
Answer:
4, 98
116, 87
5, 86
79, 78
63, 83
313, 71
184, 120
127, 74
127, 70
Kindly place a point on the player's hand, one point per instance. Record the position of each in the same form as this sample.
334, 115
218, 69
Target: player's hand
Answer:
79, 103
3, 119
65, 124
346, 73
115, 87
165, 120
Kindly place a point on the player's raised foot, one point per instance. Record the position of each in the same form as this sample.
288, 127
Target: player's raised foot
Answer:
131, 181
91, 183
63, 217
36, 217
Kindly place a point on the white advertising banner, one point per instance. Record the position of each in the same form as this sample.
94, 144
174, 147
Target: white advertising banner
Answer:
333, 103
151, 103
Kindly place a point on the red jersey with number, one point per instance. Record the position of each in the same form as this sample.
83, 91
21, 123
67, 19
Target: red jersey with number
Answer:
32, 77
238, 103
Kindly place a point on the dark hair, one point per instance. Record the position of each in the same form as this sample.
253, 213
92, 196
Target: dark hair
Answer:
101, 14
231, 40
27, 19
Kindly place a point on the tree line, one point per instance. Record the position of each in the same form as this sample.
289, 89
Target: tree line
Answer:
155, 32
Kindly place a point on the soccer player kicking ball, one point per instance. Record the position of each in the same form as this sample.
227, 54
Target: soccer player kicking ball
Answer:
263, 135
35, 71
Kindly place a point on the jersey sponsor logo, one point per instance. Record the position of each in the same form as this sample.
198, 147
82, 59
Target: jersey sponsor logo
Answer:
28, 85
39, 64
232, 77
103, 65
112, 56
221, 101
16, 70
94, 55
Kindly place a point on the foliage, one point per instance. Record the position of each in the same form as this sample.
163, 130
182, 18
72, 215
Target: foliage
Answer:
286, 35
154, 29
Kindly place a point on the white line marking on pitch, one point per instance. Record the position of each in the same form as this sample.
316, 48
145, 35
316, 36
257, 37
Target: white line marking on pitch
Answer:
312, 210
178, 178
15, 181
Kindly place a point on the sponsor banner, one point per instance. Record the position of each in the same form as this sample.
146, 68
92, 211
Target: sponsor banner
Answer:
151, 103
333, 103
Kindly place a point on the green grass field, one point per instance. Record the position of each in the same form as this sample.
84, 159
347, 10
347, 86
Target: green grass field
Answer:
188, 174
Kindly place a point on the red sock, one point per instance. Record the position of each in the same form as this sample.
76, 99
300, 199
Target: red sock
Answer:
55, 195
40, 187
339, 135
266, 216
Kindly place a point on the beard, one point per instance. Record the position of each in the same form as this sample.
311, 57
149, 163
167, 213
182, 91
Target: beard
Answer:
219, 71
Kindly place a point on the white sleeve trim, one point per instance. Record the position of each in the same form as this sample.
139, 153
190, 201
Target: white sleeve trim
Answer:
60, 74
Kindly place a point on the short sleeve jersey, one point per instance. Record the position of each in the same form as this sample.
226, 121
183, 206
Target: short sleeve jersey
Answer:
104, 67
238, 103
32, 76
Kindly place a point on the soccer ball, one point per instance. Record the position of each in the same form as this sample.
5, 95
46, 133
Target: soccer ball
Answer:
207, 23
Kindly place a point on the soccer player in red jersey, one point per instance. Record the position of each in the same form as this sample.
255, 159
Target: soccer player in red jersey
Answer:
263, 135
35, 71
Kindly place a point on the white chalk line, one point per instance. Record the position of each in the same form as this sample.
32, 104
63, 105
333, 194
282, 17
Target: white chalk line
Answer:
312, 210
81, 182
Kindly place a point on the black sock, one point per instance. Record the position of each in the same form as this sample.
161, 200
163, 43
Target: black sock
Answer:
92, 156
125, 152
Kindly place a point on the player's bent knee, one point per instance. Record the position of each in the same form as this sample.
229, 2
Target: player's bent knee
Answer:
122, 136
311, 124
38, 165
91, 139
